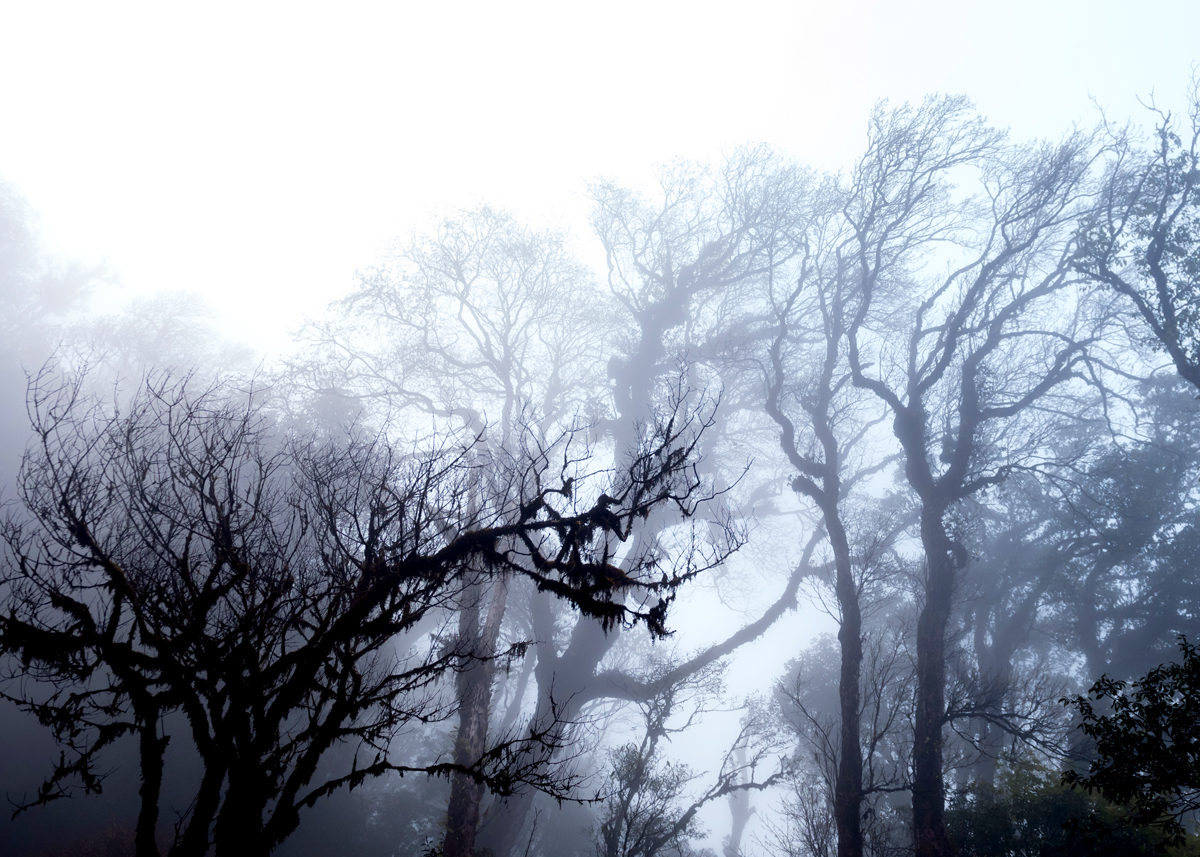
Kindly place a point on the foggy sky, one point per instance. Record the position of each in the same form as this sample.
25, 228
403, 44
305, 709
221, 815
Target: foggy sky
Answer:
260, 153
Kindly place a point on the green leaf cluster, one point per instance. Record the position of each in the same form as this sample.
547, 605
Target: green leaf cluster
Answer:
1029, 812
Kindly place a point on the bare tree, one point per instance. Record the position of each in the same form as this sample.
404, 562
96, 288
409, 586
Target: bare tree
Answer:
489, 322
968, 363
673, 263
809, 703
1143, 240
176, 554
647, 813
479, 317
808, 828
644, 813
826, 433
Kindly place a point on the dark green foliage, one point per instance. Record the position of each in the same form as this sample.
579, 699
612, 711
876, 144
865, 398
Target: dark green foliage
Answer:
1028, 813
1147, 743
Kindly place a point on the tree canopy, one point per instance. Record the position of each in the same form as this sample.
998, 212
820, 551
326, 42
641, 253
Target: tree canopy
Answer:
1146, 736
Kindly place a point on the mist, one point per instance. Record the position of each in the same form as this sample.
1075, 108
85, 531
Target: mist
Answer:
625, 431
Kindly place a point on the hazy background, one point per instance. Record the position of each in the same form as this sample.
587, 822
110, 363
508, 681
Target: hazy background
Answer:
258, 153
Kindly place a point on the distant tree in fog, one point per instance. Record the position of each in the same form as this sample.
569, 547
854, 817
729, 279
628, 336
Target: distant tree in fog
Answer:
37, 295
36, 291
973, 364
650, 809
1143, 239
493, 325
644, 814
486, 321
808, 703
47, 311
173, 331
480, 318
1133, 528
175, 553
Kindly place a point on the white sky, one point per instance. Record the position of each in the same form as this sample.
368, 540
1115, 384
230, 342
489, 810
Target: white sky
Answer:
258, 153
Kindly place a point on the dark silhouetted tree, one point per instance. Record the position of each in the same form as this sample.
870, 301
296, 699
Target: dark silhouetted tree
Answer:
176, 553
1146, 736
968, 362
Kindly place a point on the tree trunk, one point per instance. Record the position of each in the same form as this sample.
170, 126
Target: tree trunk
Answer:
151, 749
847, 795
239, 828
560, 682
740, 812
928, 791
848, 788
474, 700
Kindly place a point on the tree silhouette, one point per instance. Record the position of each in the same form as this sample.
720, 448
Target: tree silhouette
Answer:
1147, 743
176, 553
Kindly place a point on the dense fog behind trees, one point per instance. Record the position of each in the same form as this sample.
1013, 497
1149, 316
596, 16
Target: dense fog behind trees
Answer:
420, 588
